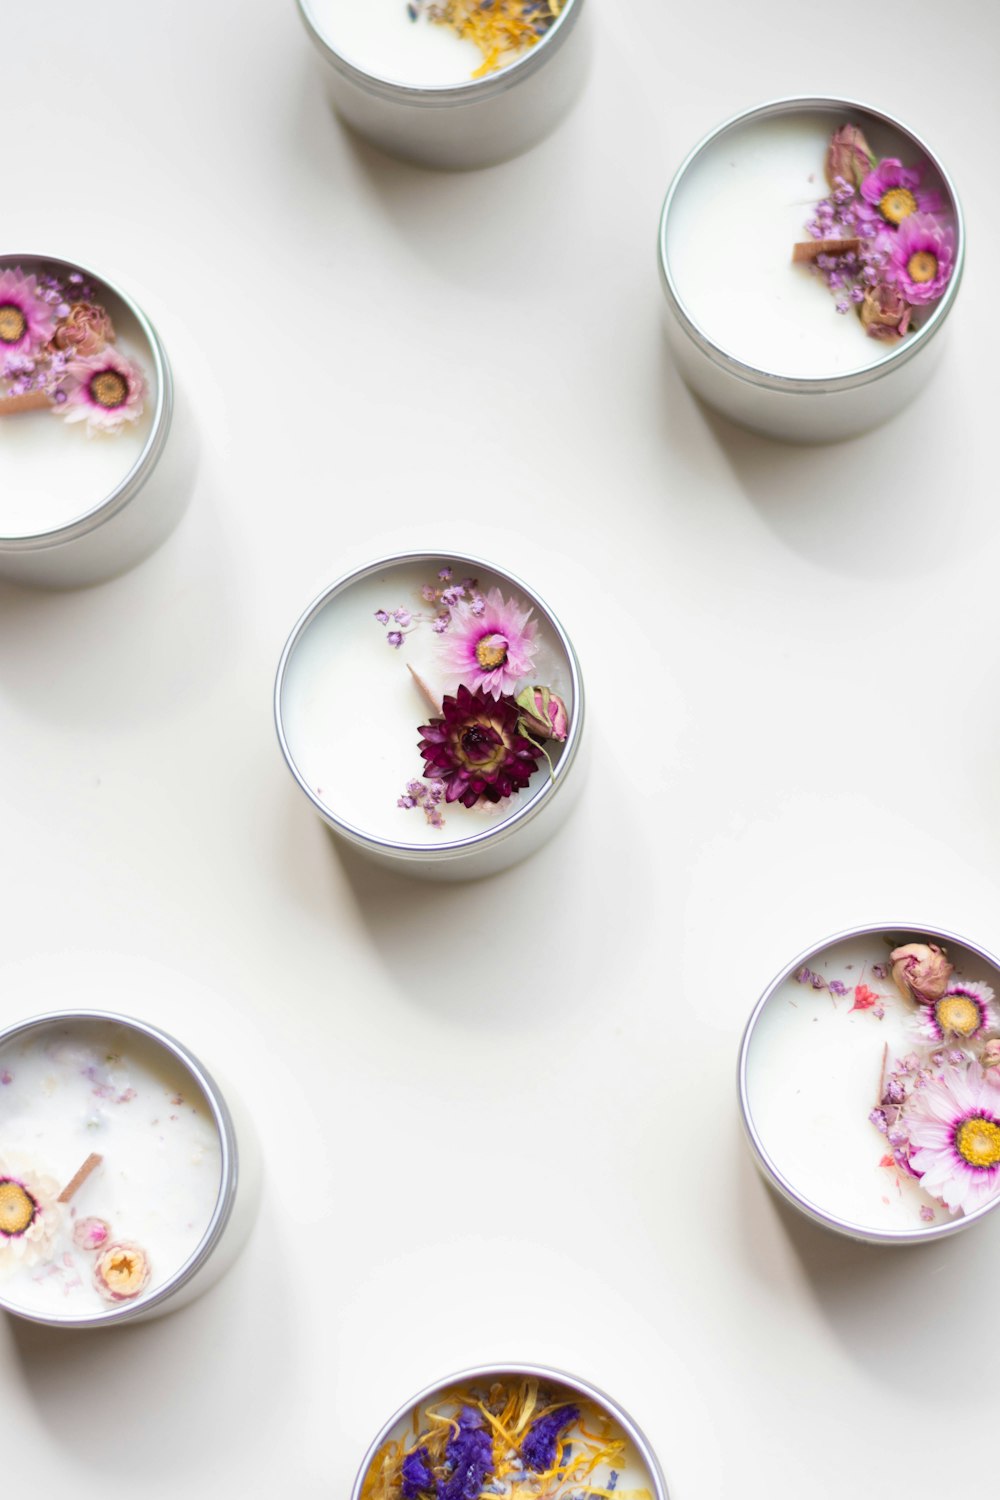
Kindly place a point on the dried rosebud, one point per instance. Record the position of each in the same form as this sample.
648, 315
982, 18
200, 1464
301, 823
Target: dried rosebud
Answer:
122, 1271
544, 714
849, 157
921, 971
91, 1234
885, 312
85, 330
991, 1053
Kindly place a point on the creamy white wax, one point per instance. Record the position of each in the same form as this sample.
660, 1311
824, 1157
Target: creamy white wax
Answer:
812, 1072
52, 472
379, 38
351, 711
73, 1088
740, 207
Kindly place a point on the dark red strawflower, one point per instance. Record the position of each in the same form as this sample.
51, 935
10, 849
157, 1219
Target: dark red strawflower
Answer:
475, 748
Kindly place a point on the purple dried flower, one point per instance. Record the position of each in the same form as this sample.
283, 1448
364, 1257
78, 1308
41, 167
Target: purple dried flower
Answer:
476, 748
878, 1119
468, 1457
444, 574
441, 623
395, 638
927, 1214
539, 1447
418, 1477
837, 987
381, 617
895, 1091
804, 975
402, 617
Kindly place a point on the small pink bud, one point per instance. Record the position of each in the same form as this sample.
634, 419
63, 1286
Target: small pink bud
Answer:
921, 971
848, 156
885, 312
544, 713
91, 1234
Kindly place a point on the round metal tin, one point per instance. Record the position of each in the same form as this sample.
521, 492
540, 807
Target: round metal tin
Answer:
899, 932
469, 124
501, 844
530, 1372
227, 1229
805, 409
130, 521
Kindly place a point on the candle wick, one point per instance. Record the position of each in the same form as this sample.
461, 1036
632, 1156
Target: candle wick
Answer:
30, 401
75, 1183
425, 692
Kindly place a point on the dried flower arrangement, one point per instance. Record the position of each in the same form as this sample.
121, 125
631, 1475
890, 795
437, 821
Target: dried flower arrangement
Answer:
33, 1212
515, 1439
881, 241
501, 29
938, 1106
57, 353
487, 737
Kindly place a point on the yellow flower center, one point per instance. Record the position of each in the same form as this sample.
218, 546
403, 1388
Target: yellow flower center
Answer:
491, 652
897, 204
109, 389
977, 1141
922, 266
13, 323
958, 1014
17, 1208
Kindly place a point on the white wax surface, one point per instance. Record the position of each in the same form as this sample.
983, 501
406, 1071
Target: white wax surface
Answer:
52, 472
742, 205
351, 710
379, 37
813, 1072
93, 1087
633, 1474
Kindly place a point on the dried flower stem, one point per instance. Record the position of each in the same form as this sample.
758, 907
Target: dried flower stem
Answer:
75, 1183
426, 693
881, 1080
30, 401
805, 250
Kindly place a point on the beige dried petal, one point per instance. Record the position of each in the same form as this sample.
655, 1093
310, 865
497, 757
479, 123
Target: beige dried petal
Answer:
921, 971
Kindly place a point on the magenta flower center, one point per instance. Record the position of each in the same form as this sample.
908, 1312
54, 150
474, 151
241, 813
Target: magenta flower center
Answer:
897, 204
491, 652
17, 1207
109, 389
977, 1141
13, 323
922, 266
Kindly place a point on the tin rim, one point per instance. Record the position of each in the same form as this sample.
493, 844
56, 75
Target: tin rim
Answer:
772, 1173
497, 832
539, 1372
809, 384
229, 1167
432, 95
130, 485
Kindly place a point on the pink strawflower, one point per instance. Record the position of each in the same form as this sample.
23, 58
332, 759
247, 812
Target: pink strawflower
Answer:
954, 1127
966, 1012
922, 258
26, 321
894, 191
492, 650
105, 390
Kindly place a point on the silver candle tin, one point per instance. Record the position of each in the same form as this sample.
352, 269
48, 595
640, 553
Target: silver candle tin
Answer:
485, 1374
503, 843
801, 409
141, 511
470, 124
239, 1187
896, 933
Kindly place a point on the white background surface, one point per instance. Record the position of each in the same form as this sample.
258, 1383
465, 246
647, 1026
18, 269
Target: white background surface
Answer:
500, 1121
